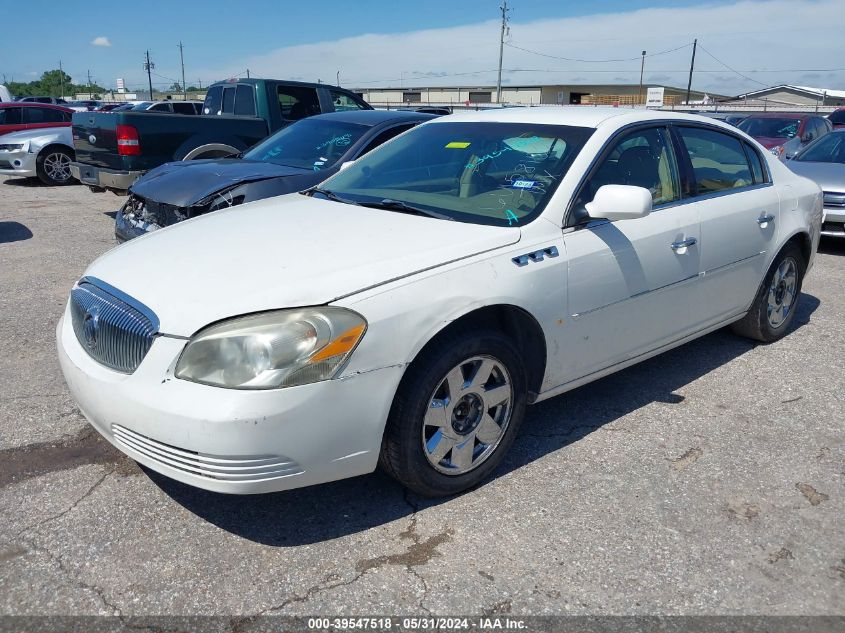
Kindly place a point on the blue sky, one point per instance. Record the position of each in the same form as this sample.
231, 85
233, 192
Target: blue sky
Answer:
427, 43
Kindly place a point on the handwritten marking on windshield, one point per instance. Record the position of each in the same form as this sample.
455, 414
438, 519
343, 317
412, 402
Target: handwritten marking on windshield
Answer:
511, 216
341, 141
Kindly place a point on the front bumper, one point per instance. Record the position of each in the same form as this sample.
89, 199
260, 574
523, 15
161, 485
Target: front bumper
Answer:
833, 222
226, 440
102, 177
18, 163
125, 230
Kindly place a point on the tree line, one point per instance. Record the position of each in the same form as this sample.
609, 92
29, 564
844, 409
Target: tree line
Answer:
53, 83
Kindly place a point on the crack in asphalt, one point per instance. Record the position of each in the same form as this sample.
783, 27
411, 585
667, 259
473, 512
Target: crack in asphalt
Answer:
70, 508
74, 578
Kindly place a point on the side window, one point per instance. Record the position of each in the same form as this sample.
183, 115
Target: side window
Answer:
642, 158
160, 107
183, 108
67, 117
343, 102
297, 103
42, 115
10, 116
760, 175
213, 100
718, 160
228, 100
245, 100
383, 137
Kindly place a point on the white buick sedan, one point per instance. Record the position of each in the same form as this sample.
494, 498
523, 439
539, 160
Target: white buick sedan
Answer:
406, 312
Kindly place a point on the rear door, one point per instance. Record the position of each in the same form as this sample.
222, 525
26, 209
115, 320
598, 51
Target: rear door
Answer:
739, 211
632, 283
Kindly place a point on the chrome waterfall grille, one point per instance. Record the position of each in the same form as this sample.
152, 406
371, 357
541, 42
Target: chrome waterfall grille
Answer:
113, 328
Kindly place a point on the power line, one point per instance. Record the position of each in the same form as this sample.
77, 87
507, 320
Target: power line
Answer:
595, 61
731, 69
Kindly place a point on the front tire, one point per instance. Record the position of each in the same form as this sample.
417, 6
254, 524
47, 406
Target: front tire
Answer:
455, 414
53, 167
777, 298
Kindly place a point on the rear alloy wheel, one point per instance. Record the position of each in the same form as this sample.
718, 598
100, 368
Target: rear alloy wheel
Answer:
456, 413
53, 167
777, 298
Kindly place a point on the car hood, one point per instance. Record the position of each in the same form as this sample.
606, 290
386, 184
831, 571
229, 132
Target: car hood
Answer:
185, 183
288, 251
828, 176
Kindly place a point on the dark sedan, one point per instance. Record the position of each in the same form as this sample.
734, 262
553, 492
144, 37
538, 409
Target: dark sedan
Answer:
296, 157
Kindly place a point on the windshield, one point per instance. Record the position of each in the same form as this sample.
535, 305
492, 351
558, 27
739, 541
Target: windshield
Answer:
786, 127
310, 143
501, 174
828, 149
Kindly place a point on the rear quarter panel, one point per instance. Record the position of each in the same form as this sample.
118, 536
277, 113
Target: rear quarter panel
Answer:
801, 205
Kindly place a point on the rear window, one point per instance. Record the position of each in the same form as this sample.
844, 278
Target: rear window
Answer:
228, 99
838, 117
770, 127
213, 100
245, 101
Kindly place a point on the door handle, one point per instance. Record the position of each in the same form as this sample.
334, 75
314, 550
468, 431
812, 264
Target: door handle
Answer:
680, 247
764, 220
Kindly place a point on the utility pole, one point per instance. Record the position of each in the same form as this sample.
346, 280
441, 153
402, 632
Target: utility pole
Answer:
504, 9
89, 84
199, 83
642, 68
184, 87
247, 73
148, 66
691, 68
62, 78
338, 78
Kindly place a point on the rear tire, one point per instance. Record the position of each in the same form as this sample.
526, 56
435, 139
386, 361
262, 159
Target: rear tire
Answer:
53, 167
456, 413
776, 301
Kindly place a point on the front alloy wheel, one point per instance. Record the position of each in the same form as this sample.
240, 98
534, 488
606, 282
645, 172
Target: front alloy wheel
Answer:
467, 416
456, 412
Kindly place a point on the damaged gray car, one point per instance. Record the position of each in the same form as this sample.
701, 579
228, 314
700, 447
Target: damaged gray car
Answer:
297, 157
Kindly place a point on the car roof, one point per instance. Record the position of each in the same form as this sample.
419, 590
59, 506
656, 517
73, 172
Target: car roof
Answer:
31, 104
781, 115
375, 117
577, 116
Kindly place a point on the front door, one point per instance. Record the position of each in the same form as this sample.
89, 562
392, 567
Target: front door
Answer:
632, 283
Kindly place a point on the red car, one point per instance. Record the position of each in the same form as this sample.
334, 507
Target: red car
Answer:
16, 116
837, 118
784, 134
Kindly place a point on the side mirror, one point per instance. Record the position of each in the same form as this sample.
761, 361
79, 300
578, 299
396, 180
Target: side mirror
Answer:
806, 137
620, 202
346, 165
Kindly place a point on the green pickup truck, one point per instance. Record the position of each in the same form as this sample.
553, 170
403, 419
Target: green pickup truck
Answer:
113, 149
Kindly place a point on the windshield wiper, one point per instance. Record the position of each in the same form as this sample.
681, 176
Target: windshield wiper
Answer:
331, 195
403, 207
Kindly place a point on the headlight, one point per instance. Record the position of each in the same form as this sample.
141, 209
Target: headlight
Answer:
273, 349
11, 147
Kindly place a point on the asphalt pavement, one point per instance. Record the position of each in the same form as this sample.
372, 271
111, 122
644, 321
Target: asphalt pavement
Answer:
708, 480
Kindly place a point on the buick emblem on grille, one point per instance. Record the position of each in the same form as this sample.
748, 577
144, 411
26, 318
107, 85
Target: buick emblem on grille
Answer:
92, 139
91, 325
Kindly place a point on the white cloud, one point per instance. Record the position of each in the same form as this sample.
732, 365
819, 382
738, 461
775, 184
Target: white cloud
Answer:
753, 37
101, 41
